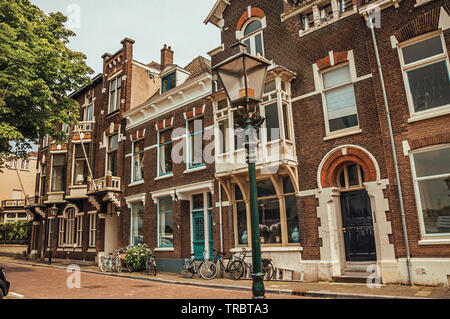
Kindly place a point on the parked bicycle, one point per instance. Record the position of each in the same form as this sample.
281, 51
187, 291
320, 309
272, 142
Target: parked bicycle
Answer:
150, 265
267, 266
233, 267
207, 269
113, 262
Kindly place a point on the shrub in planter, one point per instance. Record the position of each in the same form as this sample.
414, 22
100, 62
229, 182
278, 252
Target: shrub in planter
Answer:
18, 231
136, 256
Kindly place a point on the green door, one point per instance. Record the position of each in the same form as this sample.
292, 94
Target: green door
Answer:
198, 223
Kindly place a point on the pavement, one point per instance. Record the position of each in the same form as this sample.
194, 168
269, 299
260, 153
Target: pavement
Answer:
287, 288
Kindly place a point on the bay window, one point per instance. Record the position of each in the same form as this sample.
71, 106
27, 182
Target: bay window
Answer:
58, 169
165, 222
425, 68
278, 214
137, 223
138, 158
115, 87
339, 100
165, 152
113, 147
431, 174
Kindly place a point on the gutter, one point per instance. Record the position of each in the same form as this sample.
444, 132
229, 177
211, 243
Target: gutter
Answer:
394, 154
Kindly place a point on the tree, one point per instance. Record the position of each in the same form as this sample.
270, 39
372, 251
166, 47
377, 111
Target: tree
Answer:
37, 71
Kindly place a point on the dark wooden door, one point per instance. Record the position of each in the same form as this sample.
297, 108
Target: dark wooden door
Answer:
358, 226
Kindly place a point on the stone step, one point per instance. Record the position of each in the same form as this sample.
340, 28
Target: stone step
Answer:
355, 279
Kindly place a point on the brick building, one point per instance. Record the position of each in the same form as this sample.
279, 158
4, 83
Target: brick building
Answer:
88, 193
352, 167
331, 107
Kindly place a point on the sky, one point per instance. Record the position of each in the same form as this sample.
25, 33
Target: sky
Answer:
101, 25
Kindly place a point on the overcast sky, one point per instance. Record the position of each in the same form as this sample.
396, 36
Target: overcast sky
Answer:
102, 24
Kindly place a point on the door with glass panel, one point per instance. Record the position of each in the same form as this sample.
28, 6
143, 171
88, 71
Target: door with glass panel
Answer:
359, 239
198, 227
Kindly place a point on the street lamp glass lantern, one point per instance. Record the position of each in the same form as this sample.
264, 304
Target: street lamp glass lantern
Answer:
53, 211
243, 77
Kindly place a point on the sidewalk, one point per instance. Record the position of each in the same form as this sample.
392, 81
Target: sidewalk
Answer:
313, 289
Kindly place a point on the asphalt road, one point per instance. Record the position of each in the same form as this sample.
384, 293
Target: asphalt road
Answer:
34, 282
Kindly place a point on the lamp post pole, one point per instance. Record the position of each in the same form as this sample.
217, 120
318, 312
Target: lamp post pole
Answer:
53, 212
257, 275
243, 76
51, 242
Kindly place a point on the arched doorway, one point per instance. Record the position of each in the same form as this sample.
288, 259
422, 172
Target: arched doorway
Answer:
356, 212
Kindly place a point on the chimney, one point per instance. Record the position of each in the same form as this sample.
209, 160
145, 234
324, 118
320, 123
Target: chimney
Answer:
166, 56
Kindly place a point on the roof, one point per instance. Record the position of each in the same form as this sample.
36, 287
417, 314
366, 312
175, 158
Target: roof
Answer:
154, 65
94, 81
215, 16
198, 66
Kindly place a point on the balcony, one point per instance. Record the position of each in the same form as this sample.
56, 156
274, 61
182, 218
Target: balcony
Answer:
104, 184
36, 201
269, 158
84, 127
13, 203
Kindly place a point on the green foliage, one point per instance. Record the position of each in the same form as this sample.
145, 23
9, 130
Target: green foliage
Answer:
37, 71
18, 231
137, 255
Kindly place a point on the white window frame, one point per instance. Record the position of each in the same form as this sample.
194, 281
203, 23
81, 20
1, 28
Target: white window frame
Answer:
159, 220
158, 162
323, 91
92, 228
74, 160
419, 115
61, 230
191, 121
79, 230
251, 36
114, 98
108, 151
131, 205
133, 154
69, 238
417, 191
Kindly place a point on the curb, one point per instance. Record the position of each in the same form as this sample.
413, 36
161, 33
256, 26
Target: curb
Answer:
309, 293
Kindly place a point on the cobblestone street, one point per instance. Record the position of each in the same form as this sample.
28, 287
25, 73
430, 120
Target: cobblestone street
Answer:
28, 282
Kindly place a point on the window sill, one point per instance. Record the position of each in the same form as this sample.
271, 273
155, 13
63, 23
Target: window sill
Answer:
421, 2
443, 110
194, 169
164, 249
136, 183
435, 241
163, 177
112, 113
92, 250
339, 135
264, 248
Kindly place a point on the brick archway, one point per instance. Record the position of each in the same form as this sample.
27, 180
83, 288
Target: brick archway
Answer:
337, 158
253, 12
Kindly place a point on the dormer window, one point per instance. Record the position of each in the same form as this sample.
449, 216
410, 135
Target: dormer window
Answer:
168, 82
253, 37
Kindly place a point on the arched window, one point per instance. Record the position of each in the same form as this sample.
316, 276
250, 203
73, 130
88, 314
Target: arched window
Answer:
253, 37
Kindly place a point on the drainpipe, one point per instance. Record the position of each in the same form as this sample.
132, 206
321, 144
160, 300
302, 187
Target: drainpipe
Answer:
220, 217
394, 155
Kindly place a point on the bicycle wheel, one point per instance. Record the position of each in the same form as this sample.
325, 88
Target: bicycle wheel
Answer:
151, 268
189, 270
269, 271
119, 266
208, 270
236, 270
103, 263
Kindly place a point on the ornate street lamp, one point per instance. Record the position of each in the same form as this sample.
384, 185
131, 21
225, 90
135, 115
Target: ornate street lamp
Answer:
243, 77
53, 211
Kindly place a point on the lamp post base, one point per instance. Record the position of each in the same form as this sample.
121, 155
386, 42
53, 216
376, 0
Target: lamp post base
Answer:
258, 286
